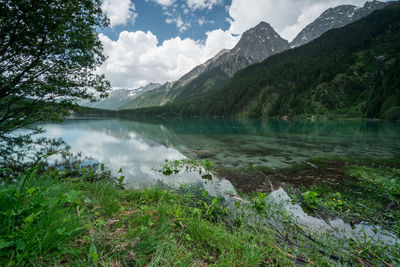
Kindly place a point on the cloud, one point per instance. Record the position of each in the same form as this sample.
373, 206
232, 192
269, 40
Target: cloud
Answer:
180, 14
174, 17
120, 12
136, 58
201, 21
164, 2
288, 17
182, 26
192, 4
202, 4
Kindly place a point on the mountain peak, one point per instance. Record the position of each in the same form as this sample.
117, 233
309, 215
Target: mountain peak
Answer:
263, 24
335, 18
262, 28
261, 39
373, 5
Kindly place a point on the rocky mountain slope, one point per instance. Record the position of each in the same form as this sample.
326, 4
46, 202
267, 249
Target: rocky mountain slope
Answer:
255, 45
335, 18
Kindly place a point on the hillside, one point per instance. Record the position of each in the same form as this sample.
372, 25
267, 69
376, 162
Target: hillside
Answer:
254, 46
118, 98
350, 71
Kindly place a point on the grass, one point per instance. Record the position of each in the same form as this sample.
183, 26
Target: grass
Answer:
66, 218
355, 189
366, 191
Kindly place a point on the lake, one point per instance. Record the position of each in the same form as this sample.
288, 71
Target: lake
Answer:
139, 147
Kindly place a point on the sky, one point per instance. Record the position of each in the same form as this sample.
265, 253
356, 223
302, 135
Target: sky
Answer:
161, 40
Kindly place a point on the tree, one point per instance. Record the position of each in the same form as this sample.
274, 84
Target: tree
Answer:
49, 53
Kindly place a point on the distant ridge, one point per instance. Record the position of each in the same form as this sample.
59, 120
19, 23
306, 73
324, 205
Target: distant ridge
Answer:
117, 98
335, 18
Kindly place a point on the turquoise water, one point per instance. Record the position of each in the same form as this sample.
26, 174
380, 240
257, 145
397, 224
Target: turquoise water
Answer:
139, 146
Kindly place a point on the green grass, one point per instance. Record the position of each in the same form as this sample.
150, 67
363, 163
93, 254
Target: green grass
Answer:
370, 193
74, 219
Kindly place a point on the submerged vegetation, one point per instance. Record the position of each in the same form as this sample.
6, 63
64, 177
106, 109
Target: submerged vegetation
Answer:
370, 194
83, 216
357, 190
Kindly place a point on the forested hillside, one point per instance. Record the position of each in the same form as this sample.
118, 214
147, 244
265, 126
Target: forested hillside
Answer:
352, 71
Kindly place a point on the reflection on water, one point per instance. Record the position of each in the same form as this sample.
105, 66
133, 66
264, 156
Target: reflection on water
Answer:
139, 146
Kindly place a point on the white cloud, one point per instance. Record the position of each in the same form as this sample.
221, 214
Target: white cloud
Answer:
137, 58
202, 4
201, 21
182, 26
164, 2
180, 14
120, 12
287, 17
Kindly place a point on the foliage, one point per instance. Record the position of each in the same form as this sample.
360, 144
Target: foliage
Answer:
48, 56
369, 193
58, 218
16, 152
331, 201
41, 213
310, 197
211, 209
175, 166
382, 181
259, 201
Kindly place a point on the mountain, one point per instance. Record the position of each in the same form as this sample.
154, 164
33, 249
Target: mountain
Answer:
163, 94
334, 18
118, 98
351, 71
254, 46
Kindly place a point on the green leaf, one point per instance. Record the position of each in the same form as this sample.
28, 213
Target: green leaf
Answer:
93, 253
121, 179
21, 245
4, 244
61, 231
206, 164
73, 196
31, 190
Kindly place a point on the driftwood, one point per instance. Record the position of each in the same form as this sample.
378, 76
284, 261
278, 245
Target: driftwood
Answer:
310, 164
270, 184
236, 197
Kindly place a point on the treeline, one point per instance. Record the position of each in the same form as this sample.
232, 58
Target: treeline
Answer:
352, 71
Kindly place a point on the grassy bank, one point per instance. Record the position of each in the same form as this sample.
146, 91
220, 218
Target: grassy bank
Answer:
86, 218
